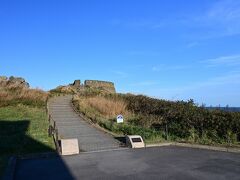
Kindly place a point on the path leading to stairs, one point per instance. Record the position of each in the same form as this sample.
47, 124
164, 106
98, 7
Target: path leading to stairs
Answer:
71, 125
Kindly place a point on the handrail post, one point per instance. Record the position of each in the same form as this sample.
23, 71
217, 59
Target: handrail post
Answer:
52, 127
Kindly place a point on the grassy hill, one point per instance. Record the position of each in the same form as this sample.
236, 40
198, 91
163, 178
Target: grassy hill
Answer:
23, 122
160, 120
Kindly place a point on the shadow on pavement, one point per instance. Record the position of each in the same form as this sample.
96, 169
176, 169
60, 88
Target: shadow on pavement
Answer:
122, 140
15, 141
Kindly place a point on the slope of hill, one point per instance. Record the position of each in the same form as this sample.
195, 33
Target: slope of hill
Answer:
23, 120
157, 120
15, 90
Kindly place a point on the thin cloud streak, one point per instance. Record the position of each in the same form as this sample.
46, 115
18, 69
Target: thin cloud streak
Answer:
232, 60
222, 19
220, 80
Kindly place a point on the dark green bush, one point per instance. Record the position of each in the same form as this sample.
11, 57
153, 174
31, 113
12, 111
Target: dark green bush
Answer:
182, 119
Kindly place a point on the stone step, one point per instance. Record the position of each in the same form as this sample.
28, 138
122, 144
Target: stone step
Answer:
71, 125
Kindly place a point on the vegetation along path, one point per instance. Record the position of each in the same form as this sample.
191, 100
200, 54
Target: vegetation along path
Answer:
71, 125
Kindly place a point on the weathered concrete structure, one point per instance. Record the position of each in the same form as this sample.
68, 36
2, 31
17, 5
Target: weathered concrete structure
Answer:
77, 83
102, 85
87, 86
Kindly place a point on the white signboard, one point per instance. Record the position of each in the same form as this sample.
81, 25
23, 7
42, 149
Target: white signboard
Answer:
120, 119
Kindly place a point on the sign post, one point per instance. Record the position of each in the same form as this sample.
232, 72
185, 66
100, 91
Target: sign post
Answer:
120, 119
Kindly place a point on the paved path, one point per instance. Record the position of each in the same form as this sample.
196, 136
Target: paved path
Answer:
70, 125
152, 163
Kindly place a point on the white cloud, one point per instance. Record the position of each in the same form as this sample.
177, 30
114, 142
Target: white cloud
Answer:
232, 60
204, 91
225, 11
220, 20
227, 79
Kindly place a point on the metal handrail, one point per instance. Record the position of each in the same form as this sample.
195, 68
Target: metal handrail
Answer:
52, 130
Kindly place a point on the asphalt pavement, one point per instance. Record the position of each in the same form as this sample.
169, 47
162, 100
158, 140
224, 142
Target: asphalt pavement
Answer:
151, 163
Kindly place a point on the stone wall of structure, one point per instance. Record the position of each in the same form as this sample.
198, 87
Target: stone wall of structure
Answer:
77, 83
103, 85
77, 87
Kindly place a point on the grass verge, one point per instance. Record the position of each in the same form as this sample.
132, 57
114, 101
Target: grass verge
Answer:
23, 130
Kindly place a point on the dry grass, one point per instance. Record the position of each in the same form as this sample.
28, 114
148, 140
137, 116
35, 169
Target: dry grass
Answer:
11, 95
106, 107
63, 90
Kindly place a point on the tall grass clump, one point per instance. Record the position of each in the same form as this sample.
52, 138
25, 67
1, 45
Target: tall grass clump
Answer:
107, 107
13, 95
100, 106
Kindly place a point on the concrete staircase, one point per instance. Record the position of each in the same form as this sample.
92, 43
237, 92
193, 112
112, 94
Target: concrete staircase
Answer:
71, 125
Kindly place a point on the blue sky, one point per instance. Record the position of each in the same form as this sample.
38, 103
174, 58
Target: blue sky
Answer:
170, 49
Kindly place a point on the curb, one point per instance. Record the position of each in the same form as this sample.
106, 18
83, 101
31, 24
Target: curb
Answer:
196, 146
158, 145
11, 168
213, 148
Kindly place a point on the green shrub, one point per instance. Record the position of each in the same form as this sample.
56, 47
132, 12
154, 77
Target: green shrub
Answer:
175, 120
